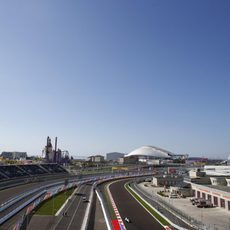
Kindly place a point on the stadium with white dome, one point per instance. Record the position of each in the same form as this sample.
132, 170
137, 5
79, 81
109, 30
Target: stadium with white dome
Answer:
150, 154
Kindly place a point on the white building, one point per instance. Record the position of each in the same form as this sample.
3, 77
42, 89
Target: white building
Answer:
228, 182
218, 181
217, 170
150, 152
217, 190
218, 195
96, 158
167, 180
153, 155
114, 156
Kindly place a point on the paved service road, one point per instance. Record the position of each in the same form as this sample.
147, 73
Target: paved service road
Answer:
129, 207
75, 211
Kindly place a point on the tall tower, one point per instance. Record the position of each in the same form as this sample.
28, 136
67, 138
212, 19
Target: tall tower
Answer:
55, 159
49, 149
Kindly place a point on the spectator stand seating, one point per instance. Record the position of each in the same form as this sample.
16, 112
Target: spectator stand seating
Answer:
33, 169
12, 171
54, 168
18, 171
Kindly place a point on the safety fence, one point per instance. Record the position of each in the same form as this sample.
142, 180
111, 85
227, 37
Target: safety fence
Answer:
21, 196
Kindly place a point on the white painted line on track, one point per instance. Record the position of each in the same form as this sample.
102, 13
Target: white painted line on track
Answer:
78, 189
119, 219
145, 207
62, 207
80, 201
86, 217
104, 212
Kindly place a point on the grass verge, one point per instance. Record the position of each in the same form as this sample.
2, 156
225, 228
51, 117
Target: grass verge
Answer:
148, 207
51, 206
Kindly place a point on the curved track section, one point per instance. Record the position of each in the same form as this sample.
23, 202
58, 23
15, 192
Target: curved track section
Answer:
129, 207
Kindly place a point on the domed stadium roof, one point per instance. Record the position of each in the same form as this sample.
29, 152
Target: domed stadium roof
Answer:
150, 151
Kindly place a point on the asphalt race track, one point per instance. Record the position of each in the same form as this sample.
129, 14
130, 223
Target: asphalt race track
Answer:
75, 211
129, 207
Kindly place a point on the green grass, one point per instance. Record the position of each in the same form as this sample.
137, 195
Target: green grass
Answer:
151, 210
51, 206
161, 193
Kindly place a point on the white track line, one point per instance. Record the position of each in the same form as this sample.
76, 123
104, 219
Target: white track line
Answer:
75, 212
119, 219
87, 211
79, 188
62, 207
104, 212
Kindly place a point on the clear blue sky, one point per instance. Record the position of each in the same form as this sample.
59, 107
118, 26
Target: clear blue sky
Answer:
113, 75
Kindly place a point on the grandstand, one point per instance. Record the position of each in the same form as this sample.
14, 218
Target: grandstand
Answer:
19, 171
53, 168
12, 171
33, 169
2, 177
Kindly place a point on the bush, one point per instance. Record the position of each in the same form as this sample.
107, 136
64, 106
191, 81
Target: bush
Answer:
162, 194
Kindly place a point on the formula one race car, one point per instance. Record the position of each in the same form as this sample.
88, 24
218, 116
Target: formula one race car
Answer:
127, 220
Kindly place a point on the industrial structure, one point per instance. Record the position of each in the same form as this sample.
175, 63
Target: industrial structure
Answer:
55, 155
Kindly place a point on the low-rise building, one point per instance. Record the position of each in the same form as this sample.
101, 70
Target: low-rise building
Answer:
218, 195
183, 189
217, 191
218, 181
228, 181
195, 173
217, 170
167, 180
130, 160
120, 160
196, 161
199, 177
96, 158
14, 155
114, 156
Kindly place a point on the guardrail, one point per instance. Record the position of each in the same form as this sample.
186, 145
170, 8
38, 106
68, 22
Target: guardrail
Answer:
19, 197
19, 208
22, 223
